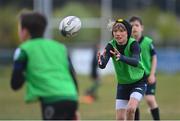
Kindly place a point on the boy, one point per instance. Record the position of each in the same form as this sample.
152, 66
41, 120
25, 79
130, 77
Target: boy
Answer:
46, 68
125, 53
149, 59
91, 93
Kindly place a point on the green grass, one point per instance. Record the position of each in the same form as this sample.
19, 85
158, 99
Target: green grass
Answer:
12, 105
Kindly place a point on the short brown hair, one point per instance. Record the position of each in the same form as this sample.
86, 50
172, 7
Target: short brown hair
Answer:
34, 22
136, 18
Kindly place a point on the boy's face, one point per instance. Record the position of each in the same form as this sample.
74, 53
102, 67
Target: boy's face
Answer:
120, 35
137, 29
23, 33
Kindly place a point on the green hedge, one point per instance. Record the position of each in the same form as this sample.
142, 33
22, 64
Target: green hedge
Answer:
8, 27
161, 26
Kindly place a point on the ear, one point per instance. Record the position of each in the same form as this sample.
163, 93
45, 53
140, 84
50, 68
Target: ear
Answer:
142, 28
25, 34
24, 31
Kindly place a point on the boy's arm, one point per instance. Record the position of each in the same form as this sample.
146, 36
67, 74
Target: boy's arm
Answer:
151, 78
103, 59
154, 65
73, 74
134, 60
20, 61
154, 60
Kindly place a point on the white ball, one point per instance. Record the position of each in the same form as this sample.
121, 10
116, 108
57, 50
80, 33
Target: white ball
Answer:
69, 26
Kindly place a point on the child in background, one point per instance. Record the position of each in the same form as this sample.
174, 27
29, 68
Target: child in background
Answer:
149, 59
91, 93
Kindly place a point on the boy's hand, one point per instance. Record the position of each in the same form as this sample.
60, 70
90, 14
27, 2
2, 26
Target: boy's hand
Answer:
116, 53
99, 58
151, 79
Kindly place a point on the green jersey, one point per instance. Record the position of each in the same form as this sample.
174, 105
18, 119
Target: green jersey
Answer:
127, 74
47, 72
145, 45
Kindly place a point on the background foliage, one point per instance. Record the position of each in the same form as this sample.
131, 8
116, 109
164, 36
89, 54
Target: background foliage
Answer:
162, 26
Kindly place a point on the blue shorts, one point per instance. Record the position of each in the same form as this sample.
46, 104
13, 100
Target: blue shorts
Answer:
125, 90
151, 89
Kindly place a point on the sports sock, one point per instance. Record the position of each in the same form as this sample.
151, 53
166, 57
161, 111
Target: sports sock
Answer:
155, 113
137, 115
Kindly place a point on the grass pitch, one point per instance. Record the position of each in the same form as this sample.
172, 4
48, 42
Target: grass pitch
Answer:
12, 105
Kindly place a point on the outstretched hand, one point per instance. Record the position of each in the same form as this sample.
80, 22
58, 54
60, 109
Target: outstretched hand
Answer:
99, 56
116, 53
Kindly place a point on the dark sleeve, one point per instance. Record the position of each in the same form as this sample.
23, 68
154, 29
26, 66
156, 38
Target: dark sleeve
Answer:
73, 74
152, 50
94, 65
134, 59
17, 78
105, 59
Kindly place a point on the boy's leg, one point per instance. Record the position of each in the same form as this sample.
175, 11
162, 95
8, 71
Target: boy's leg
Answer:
121, 114
121, 106
137, 93
155, 113
137, 114
151, 101
92, 91
133, 104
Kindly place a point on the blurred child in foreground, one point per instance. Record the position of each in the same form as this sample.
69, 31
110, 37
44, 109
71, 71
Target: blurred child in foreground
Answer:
44, 65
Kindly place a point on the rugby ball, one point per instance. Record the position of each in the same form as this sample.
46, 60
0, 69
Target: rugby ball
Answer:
69, 26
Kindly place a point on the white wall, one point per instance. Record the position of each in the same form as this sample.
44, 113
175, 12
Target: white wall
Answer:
81, 59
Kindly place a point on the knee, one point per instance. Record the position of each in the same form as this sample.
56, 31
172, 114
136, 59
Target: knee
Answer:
121, 115
120, 118
131, 110
152, 104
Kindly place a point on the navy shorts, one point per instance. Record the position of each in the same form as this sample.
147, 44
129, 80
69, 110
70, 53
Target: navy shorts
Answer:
125, 90
61, 110
151, 89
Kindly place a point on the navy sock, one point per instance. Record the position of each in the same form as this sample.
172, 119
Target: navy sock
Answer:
155, 113
137, 115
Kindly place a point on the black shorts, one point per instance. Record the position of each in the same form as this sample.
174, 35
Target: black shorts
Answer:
151, 89
61, 110
125, 90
